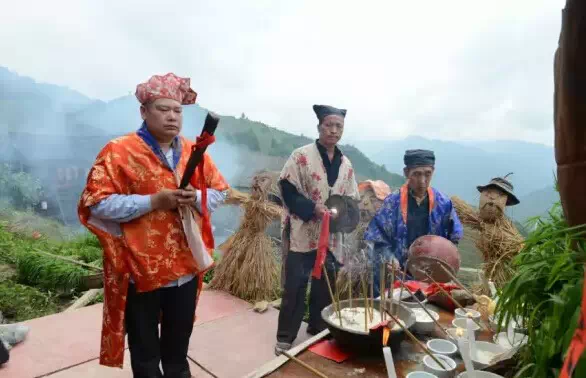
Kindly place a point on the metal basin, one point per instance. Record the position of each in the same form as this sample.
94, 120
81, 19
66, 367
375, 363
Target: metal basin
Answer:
361, 341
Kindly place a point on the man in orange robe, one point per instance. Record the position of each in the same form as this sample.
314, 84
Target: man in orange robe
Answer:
131, 203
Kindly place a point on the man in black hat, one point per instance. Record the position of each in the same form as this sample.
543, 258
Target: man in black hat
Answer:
415, 210
310, 176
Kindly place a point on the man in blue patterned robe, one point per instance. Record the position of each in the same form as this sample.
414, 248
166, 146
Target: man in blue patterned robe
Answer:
415, 210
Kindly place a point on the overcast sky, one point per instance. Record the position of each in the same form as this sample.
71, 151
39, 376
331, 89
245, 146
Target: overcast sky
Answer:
445, 69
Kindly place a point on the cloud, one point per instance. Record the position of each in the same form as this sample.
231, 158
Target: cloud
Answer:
450, 70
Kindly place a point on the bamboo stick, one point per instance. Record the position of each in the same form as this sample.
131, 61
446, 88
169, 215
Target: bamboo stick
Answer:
412, 337
451, 297
457, 281
98, 269
427, 311
310, 368
336, 309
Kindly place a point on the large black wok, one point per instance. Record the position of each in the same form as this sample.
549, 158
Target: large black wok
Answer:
371, 342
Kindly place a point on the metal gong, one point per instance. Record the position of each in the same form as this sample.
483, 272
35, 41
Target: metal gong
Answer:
348, 213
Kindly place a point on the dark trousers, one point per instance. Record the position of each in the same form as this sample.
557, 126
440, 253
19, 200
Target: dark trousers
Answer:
4, 356
298, 268
175, 308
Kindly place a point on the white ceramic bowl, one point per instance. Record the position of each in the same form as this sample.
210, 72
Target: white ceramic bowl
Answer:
452, 333
502, 339
432, 367
464, 314
420, 374
423, 324
485, 352
480, 374
462, 323
441, 346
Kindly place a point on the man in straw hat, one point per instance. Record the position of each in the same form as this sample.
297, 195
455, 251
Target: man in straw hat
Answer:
415, 210
131, 203
311, 174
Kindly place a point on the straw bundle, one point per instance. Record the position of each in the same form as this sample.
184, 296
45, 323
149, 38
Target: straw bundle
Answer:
249, 271
498, 241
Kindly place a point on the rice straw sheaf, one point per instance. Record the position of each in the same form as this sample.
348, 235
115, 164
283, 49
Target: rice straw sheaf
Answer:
498, 241
249, 269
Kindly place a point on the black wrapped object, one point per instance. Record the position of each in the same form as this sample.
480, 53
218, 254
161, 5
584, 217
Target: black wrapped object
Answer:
209, 127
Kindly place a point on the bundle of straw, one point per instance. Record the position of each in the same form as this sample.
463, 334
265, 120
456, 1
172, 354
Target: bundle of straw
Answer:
249, 271
499, 241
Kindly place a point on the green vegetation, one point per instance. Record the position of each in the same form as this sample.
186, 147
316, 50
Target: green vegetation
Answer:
257, 136
33, 284
546, 293
19, 302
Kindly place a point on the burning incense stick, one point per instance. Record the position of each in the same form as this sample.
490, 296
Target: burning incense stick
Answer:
382, 293
450, 296
392, 288
365, 292
350, 288
371, 296
421, 345
402, 281
334, 304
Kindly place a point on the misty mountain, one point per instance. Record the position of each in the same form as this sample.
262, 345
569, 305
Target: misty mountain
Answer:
270, 145
54, 134
28, 105
536, 203
461, 166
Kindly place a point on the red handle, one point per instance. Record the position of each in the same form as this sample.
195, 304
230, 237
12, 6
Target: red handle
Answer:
322, 246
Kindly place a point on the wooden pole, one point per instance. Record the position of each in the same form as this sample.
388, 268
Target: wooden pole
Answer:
58, 257
311, 369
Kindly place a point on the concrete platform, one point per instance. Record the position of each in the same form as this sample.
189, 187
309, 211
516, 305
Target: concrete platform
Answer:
229, 340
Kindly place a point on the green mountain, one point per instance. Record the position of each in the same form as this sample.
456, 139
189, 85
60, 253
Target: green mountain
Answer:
271, 141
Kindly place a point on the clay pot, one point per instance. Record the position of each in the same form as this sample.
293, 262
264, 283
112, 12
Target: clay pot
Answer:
428, 253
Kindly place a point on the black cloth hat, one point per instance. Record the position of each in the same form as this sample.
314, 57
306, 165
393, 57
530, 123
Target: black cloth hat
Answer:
418, 158
322, 111
504, 185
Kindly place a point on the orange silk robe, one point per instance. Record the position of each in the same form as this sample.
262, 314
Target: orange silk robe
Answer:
152, 248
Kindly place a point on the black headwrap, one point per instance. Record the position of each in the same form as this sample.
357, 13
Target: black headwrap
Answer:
418, 158
322, 111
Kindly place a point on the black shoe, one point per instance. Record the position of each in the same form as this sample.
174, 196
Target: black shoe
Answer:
312, 330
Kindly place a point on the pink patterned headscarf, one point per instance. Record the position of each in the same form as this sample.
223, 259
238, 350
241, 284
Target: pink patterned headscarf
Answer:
168, 86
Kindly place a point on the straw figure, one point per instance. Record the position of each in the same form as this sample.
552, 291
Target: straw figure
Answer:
249, 269
498, 239
372, 195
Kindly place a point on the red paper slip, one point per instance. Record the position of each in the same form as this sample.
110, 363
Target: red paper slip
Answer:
330, 350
